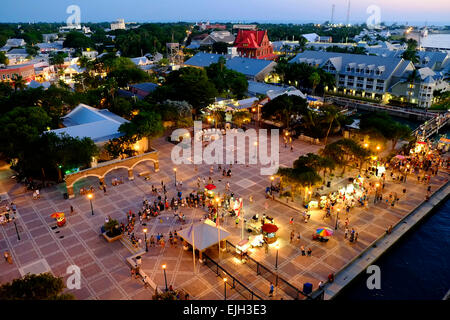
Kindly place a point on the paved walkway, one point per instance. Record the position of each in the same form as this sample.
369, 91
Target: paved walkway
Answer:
105, 273
350, 272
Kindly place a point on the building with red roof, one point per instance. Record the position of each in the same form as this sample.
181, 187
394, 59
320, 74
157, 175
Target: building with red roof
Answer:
254, 44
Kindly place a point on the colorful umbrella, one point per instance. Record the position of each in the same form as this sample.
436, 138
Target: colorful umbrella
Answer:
399, 156
269, 228
57, 215
210, 187
324, 232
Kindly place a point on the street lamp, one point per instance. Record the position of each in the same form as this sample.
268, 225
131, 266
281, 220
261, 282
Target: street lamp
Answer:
165, 277
225, 288
271, 180
145, 236
366, 145
17, 231
276, 259
175, 173
337, 217
90, 196
378, 148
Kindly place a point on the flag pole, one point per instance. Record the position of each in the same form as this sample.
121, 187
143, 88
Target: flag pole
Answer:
193, 246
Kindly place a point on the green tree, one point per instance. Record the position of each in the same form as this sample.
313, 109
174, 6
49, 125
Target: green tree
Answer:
43, 286
18, 81
285, 107
187, 84
314, 80
220, 47
3, 58
77, 40
411, 55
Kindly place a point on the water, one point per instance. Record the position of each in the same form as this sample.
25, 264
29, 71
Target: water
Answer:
410, 123
436, 41
416, 267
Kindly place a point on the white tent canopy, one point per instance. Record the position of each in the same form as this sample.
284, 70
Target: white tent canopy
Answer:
205, 235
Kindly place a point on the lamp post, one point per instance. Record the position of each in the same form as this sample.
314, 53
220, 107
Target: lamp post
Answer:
90, 196
175, 173
165, 277
145, 236
225, 288
17, 231
337, 217
276, 259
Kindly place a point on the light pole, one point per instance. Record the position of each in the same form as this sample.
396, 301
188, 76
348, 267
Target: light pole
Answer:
337, 217
145, 236
90, 196
276, 259
271, 182
175, 173
165, 277
225, 288
17, 231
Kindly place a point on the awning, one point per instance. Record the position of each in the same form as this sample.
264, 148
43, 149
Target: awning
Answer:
205, 235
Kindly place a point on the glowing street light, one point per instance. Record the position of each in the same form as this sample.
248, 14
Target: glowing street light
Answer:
337, 217
145, 230
276, 259
165, 277
366, 145
225, 288
378, 148
90, 196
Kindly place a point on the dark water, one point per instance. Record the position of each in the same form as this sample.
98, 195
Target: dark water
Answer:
416, 267
413, 124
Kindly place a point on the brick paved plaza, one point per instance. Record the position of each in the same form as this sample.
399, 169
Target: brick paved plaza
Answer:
105, 273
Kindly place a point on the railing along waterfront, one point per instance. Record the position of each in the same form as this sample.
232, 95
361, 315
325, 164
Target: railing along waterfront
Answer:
234, 283
273, 277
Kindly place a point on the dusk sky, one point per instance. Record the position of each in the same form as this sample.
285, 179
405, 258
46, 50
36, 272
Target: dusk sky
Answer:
411, 11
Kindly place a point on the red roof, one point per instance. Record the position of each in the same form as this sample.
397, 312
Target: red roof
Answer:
252, 38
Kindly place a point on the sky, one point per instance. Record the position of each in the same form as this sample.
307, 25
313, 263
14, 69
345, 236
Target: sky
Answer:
296, 11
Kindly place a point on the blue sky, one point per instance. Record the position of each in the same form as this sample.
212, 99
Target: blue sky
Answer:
412, 11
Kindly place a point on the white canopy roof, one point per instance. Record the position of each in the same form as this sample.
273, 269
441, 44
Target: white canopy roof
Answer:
205, 234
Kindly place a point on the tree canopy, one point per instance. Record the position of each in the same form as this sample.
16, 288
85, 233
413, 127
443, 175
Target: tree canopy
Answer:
285, 107
43, 286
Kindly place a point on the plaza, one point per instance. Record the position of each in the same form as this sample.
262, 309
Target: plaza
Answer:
105, 272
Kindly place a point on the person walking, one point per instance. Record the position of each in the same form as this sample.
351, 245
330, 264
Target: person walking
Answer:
309, 252
292, 236
271, 290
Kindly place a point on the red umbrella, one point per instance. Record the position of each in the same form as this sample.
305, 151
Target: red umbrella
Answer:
210, 187
269, 228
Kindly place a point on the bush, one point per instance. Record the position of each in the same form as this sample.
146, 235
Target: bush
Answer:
112, 228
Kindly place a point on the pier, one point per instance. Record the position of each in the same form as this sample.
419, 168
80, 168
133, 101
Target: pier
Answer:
412, 114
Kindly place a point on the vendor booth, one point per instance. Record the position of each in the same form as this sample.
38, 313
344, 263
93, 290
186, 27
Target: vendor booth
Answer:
269, 232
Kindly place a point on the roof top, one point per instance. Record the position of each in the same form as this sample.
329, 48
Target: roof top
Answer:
249, 38
341, 60
86, 121
248, 66
203, 59
203, 234
145, 86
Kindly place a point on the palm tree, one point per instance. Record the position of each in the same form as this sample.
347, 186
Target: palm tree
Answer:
19, 82
314, 80
412, 77
331, 115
